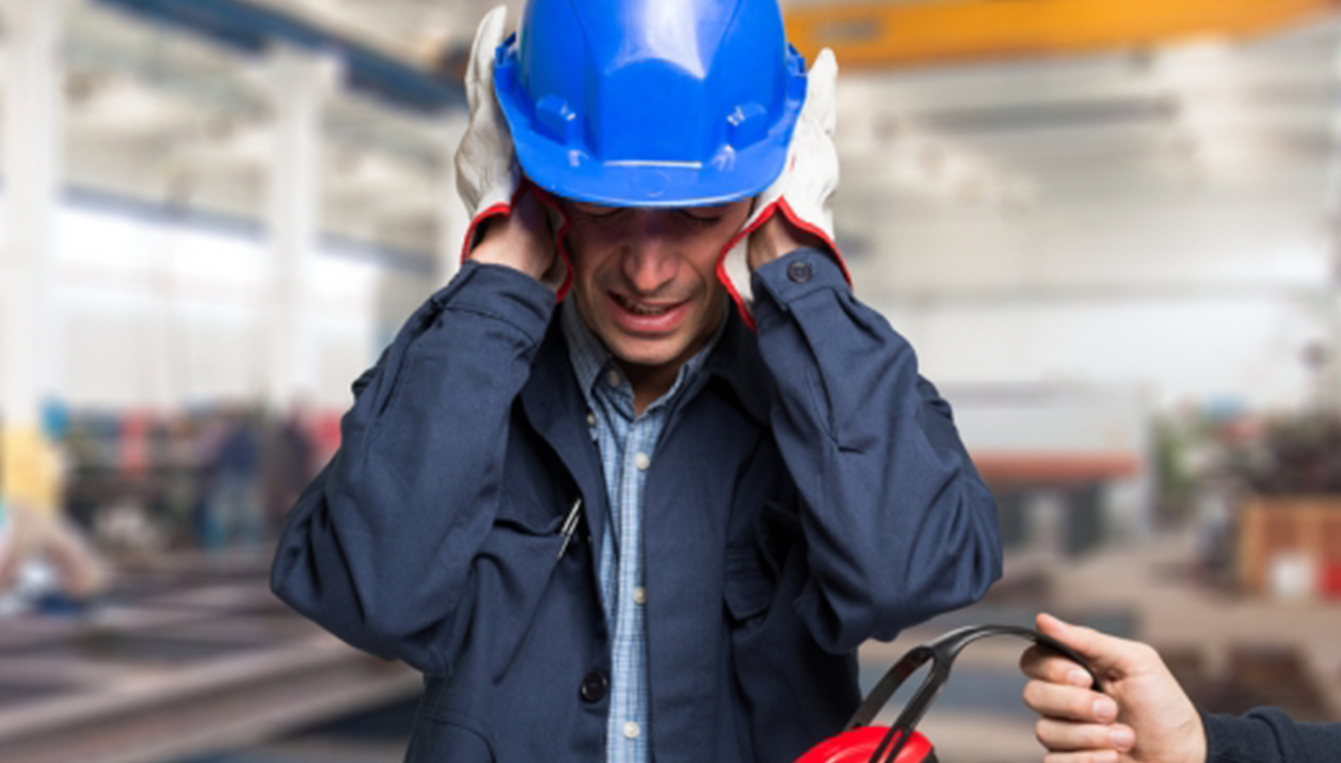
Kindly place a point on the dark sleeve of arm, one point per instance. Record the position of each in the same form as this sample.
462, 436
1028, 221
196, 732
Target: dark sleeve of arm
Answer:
1267, 735
898, 523
378, 548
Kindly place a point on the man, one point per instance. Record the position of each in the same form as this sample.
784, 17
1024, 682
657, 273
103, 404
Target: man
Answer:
655, 520
1145, 717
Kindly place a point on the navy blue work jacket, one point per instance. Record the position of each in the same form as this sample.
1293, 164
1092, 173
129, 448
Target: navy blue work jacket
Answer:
1268, 735
809, 492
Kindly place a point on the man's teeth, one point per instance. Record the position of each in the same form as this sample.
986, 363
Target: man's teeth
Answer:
640, 309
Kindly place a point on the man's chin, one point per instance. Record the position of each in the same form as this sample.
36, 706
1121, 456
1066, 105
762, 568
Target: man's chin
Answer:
649, 353
645, 360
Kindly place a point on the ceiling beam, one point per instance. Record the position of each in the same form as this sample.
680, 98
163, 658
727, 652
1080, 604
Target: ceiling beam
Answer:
868, 33
252, 27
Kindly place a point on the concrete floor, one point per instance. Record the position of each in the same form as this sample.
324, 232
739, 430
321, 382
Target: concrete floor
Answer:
1144, 590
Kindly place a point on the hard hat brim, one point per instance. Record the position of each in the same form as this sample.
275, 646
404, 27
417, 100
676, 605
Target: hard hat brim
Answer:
648, 184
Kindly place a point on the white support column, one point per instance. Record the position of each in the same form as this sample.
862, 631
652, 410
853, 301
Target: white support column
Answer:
299, 83
33, 135
1325, 363
452, 219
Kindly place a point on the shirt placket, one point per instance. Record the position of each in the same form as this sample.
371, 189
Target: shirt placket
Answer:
630, 438
631, 740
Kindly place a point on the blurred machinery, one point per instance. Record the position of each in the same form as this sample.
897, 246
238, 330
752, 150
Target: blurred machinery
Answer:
192, 654
1069, 465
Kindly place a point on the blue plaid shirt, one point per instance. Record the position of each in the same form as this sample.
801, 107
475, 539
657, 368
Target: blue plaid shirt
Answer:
627, 443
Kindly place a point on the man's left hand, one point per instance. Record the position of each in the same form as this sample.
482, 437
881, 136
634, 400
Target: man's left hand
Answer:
776, 237
794, 211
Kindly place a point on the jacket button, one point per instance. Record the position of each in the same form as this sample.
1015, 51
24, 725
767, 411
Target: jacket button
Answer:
594, 686
799, 272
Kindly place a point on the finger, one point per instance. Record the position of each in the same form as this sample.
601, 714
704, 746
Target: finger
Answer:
1045, 664
480, 69
1069, 702
1106, 654
1065, 736
554, 212
533, 211
821, 81
1101, 756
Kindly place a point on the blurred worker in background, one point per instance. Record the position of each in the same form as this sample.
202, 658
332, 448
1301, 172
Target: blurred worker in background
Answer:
234, 513
289, 457
1145, 716
43, 557
637, 483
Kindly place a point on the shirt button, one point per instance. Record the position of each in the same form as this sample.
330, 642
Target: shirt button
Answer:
642, 462
591, 419
594, 686
640, 595
799, 272
612, 378
631, 730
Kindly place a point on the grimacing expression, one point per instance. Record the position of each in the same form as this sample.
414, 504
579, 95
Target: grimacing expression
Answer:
645, 280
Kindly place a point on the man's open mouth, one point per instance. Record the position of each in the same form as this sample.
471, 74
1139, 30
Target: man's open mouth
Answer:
640, 308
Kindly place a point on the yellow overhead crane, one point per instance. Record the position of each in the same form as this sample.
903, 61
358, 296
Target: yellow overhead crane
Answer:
873, 34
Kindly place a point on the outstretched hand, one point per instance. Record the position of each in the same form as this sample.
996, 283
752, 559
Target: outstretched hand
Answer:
1145, 717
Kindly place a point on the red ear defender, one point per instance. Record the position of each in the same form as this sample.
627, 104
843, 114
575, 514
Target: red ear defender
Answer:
861, 742
862, 745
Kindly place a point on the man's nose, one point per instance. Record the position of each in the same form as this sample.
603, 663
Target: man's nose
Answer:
650, 260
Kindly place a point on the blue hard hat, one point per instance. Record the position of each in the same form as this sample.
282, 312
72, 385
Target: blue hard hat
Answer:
655, 103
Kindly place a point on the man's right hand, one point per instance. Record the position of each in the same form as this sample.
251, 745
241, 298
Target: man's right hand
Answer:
521, 240
1145, 717
508, 224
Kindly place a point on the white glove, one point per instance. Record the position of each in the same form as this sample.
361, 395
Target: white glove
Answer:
803, 192
487, 173
488, 177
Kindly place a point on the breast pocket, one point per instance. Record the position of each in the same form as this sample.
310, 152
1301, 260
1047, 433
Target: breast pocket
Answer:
447, 737
514, 570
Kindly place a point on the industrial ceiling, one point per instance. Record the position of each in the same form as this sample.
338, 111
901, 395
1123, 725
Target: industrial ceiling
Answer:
168, 117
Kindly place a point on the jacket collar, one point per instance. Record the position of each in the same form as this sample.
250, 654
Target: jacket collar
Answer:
736, 361
556, 409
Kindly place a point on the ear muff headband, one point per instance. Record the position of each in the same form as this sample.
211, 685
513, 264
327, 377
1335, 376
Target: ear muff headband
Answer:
942, 653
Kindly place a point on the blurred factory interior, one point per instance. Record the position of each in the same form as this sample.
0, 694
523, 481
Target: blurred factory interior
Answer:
1110, 228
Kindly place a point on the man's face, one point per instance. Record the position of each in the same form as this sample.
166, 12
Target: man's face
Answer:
645, 280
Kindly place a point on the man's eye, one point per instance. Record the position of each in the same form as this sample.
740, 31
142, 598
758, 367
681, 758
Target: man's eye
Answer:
707, 220
597, 210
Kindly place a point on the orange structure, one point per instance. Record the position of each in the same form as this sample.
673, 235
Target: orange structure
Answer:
878, 34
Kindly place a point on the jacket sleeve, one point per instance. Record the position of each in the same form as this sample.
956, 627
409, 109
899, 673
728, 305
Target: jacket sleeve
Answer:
898, 524
1267, 735
378, 548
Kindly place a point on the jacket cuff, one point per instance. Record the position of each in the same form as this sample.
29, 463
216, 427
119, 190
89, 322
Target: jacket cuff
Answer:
504, 293
1252, 738
798, 274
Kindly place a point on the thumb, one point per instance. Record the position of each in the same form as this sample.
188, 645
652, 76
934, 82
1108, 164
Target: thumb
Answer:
1106, 654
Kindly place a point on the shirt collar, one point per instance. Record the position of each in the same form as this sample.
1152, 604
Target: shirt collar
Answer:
590, 358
